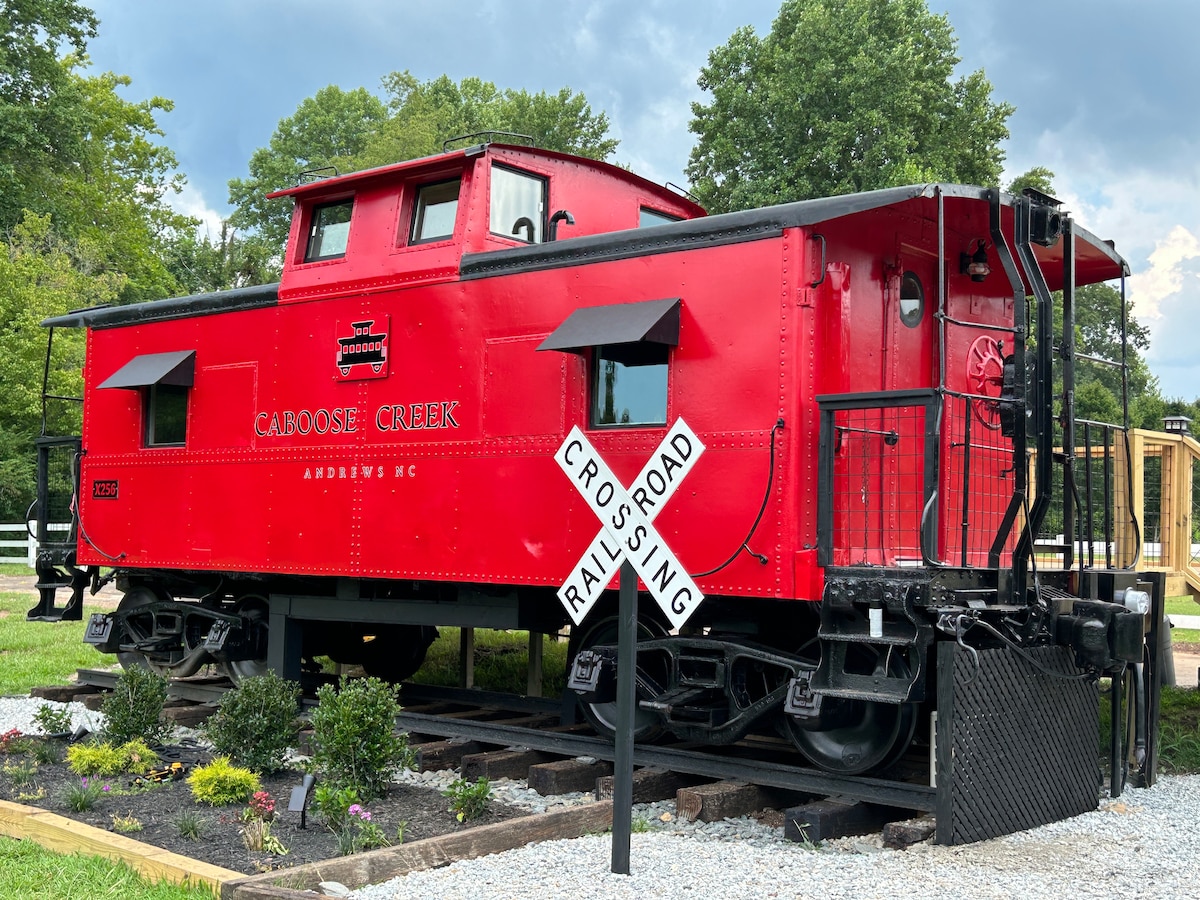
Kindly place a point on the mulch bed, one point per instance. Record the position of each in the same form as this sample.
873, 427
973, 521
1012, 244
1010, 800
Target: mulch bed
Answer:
422, 812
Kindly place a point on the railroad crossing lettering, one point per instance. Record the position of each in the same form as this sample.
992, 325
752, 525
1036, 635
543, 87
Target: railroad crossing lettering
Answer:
627, 531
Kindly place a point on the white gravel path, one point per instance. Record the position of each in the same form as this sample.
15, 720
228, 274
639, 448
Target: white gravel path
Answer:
1145, 844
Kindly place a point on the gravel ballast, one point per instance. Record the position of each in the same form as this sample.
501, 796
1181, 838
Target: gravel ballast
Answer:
1144, 844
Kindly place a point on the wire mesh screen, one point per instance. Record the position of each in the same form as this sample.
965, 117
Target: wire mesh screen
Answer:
978, 483
877, 463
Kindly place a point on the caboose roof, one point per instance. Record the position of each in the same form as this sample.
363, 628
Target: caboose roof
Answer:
1096, 260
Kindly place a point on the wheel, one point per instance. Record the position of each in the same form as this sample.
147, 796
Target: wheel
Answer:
603, 716
395, 652
254, 611
144, 627
869, 735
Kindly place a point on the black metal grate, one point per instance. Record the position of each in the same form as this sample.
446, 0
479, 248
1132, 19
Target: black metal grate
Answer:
1016, 748
979, 481
880, 459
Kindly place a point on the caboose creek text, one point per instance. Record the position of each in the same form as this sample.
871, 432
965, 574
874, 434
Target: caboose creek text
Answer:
346, 419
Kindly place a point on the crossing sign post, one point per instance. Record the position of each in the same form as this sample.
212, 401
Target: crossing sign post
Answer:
628, 540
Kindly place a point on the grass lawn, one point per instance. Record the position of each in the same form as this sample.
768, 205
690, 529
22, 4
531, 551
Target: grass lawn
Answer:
29, 870
38, 653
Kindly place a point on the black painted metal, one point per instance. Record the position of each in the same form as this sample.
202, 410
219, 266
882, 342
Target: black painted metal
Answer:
622, 825
999, 771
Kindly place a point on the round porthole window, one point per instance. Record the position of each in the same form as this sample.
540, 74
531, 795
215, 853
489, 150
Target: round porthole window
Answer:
912, 300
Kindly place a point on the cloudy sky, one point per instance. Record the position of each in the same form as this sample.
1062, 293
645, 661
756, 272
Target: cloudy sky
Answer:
1105, 90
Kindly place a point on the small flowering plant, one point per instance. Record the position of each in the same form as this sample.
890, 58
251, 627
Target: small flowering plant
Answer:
82, 796
262, 806
359, 832
256, 825
11, 741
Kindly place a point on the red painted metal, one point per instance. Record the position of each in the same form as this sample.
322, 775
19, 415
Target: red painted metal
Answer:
429, 454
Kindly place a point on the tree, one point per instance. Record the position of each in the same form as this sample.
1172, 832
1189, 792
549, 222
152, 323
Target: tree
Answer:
841, 96
328, 129
40, 276
38, 98
356, 130
200, 264
424, 114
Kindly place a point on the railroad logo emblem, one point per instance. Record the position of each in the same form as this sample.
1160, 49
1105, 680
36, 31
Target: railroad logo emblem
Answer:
626, 532
362, 350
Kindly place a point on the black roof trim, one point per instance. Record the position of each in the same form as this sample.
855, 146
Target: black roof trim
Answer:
174, 308
709, 231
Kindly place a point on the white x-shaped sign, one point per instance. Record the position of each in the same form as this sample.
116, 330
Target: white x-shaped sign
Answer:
626, 517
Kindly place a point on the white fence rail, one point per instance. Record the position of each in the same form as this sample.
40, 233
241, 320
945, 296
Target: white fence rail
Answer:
24, 544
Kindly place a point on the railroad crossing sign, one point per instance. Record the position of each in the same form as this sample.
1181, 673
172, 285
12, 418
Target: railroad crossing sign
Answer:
627, 532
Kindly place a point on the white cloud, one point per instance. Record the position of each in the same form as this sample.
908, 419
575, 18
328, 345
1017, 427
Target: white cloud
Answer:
190, 202
1165, 275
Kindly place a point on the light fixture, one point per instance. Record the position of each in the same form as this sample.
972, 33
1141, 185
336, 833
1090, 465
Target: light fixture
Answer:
975, 264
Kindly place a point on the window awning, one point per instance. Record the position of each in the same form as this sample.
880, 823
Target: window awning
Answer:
177, 367
644, 322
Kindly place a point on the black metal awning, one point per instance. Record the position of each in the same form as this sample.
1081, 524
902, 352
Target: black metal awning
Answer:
177, 367
644, 322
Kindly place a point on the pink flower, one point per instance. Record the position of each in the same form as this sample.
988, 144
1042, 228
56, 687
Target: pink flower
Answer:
354, 809
365, 816
106, 788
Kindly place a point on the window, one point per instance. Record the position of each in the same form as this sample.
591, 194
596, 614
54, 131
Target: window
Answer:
912, 300
650, 217
329, 231
166, 415
435, 211
518, 205
629, 389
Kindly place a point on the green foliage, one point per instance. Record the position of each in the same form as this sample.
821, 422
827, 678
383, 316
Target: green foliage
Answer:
106, 759
40, 276
349, 820
355, 738
841, 96
84, 794
333, 804
501, 662
468, 800
255, 724
20, 773
95, 759
52, 719
220, 783
191, 824
134, 708
201, 264
354, 130
327, 129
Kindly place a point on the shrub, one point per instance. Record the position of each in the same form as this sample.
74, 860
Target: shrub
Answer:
255, 724
134, 708
468, 800
191, 825
220, 783
53, 718
354, 736
105, 759
95, 759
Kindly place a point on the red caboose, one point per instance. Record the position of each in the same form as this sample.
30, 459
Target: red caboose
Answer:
337, 463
